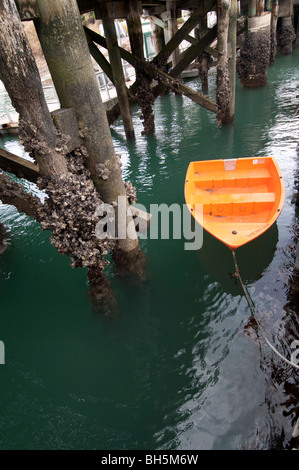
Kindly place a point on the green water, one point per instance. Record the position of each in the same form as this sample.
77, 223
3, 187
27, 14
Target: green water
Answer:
179, 366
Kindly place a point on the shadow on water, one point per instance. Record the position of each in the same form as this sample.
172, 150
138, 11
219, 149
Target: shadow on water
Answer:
253, 259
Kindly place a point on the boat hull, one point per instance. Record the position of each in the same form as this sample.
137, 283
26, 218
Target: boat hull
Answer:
236, 200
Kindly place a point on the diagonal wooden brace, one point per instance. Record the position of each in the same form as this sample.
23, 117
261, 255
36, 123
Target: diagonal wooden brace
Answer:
167, 79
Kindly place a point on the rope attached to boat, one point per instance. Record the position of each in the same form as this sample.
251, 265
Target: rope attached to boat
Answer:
251, 306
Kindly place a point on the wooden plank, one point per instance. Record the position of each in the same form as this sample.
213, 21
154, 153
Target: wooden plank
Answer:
99, 58
114, 10
66, 123
13, 193
21, 78
19, 166
296, 265
86, 5
193, 51
191, 39
117, 71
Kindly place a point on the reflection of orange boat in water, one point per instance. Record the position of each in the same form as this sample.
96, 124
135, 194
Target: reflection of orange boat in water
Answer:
235, 200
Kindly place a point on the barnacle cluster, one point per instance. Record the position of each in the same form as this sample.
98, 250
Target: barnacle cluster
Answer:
145, 99
222, 95
70, 214
204, 63
31, 140
285, 37
12, 192
254, 58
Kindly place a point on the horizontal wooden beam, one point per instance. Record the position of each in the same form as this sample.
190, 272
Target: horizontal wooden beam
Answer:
14, 194
19, 166
86, 5
115, 10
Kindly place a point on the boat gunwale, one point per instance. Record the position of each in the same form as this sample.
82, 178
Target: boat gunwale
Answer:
209, 226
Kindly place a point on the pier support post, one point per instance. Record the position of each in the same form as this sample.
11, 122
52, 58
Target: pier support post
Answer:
251, 8
268, 5
66, 51
135, 27
222, 79
296, 23
158, 37
286, 34
232, 55
204, 58
19, 73
172, 28
255, 54
145, 98
117, 70
273, 37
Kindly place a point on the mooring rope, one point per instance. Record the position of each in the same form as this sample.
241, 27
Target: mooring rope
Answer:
252, 309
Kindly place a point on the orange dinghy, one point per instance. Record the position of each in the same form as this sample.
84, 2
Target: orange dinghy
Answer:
235, 200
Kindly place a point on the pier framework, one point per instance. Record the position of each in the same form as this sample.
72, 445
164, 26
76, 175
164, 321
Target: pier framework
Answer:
73, 153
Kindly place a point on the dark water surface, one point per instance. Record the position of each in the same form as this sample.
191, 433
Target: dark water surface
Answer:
179, 366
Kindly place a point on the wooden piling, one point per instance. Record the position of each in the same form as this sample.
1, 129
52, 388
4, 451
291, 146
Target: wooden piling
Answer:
260, 7
145, 98
134, 11
204, 58
222, 79
268, 5
19, 166
252, 8
117, 71
273, 31
19, 73
66, 51
172, 28
184, 30
158, 37
286, 34
254, 56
